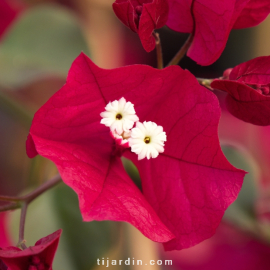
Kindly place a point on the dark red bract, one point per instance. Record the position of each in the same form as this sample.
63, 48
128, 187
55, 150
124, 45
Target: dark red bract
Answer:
186, 189
211, 21
143, 17
38, 257
247, 86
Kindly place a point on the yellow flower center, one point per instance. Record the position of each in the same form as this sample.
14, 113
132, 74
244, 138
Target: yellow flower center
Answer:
147, 140
119, 116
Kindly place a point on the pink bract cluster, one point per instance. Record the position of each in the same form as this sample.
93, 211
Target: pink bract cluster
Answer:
247, 86
143, 17
185, 190
38, 257
211, 22
189, 184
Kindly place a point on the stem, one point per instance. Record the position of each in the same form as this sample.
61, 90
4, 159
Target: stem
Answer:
10, 206
15, 109
159, 51
22, 224
206, 83
9, 199
32, 195
17, 202
41, 189
180, 54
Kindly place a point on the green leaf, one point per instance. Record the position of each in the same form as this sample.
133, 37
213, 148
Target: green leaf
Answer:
132, 171
43, 41
86, 241
246, 199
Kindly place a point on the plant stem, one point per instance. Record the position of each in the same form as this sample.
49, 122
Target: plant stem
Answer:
22, 224
159, 51
9, 199
44, 187
32, 195
10, 206
23, 201
180, 54
15, 109
206, 83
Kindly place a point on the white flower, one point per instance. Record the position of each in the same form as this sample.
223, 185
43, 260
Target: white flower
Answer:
122, 139
147, 140
119, 116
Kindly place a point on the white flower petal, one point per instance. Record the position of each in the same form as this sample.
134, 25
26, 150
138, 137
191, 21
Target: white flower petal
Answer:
151, 131
121, 104
119, 108
142, 154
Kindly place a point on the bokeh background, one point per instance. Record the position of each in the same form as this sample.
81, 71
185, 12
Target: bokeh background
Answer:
39, 39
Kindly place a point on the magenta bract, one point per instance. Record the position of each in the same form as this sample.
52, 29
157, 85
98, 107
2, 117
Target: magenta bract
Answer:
143, 17
4, 237
37, 257
186, 189
211, 21
252, 14
247, 86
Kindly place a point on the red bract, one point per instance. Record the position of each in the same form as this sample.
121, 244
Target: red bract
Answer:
252, 14
4, 239
211, 21
143, 17
247, 86
38, 257
189, 186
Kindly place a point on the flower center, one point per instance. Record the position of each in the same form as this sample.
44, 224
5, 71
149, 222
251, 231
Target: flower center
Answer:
147, 140
119, 116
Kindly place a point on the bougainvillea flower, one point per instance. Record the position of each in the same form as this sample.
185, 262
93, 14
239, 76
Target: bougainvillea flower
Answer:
211, 22
38, 257
143, 17
186, 189
147, 140
247, 86
120, 116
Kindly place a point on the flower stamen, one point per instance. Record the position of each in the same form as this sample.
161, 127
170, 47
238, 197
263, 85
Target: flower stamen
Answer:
118, 116
147, 140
